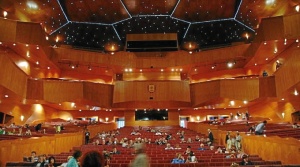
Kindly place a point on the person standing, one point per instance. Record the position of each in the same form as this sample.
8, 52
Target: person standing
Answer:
238, 141
141, 159
259, 130
73, 162
87, 136
211, 137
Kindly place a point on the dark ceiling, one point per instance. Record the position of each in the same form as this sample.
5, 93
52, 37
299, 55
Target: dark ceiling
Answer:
94, 23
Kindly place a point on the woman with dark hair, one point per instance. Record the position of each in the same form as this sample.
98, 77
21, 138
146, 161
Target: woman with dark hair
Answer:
92, 159
73, 161
51, 162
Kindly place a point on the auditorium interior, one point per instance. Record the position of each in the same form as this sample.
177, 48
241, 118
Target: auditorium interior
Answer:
104, 64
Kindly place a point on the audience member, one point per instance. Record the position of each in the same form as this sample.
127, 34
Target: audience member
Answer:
211, 137
201, 147
115, 151
259, 130
245, 161
65, 163
51, 162
141, 159
169, 147
295, 125
179, 159
92, 159
73, 162
87, 136
238, 141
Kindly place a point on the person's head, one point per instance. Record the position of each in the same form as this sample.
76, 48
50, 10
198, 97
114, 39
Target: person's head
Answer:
265, 122
33, 153
51, 160
77, 154
245, 158
92, 158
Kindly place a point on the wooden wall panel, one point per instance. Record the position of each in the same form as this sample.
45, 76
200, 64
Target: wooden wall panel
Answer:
11, 77
203, 113
267, 87
220, 55
152, 76
31, 33
60, 91
269, 148
172, 121
271, 32
139, 91
101, 94
202, 92
291, 26
14, 150
288, 74
240, 89
272, 110
8, 30
170, 59
35, 89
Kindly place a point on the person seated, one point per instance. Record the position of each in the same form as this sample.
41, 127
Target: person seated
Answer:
115, 151
240, 154
177, 147
189, 140
169, 147
179, 159
295, 125
197, 138
201, 147
219, 150
245, 161
230, 156
40, 163
137, 133
133, 132
158, 133
191, 158
93, 158
2, 131
169, 137
33, 157
51, 162
106, 154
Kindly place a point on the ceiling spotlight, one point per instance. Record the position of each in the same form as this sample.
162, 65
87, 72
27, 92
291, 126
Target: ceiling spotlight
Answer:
296, 93
230, 64
297, 8
5, 14
245, 102
89, 68
213, 67
190, 52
